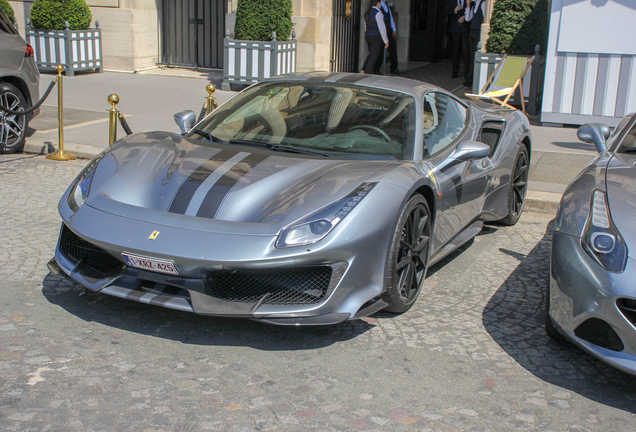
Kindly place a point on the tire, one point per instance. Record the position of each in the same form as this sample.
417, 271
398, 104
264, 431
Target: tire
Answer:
408, 257
13, 128
550, 328
518, 187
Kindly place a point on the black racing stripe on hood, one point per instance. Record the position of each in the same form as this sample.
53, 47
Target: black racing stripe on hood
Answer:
187, 190
213, 200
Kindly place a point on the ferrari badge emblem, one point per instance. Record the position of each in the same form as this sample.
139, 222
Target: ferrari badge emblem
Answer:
153, 235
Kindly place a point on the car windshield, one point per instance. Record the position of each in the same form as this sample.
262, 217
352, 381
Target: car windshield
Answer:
328, 119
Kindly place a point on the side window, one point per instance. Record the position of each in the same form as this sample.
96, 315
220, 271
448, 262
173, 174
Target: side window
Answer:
628, 144
444, 119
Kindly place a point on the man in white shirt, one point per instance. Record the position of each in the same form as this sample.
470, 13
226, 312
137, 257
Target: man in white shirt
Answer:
376, 38
391, 30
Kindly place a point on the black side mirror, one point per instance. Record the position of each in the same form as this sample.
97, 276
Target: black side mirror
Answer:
185, 120
466, 151
594, 133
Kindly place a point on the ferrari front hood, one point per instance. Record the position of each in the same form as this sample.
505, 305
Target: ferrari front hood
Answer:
621, 195
164, 172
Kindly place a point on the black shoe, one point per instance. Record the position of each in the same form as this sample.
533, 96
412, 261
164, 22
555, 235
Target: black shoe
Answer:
455, 75
377, 72
397, 72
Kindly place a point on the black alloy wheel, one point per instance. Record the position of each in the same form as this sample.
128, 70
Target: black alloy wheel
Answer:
408, 258
13, 128
518, 187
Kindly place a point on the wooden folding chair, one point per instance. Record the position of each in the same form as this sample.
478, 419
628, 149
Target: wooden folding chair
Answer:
504, 81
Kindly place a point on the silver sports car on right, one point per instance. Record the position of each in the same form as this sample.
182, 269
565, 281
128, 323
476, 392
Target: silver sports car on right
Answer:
592, 291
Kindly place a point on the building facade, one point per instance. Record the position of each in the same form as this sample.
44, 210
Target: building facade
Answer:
141, 34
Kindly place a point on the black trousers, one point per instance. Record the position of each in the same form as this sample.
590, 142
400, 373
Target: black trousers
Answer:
460, 53
473, 40
392, 54
376, 49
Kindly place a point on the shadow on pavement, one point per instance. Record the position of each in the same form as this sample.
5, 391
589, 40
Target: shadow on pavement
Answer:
514, 318
189, 328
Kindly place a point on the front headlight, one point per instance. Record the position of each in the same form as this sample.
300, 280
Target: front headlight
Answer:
601, 238
79, 191
317, 225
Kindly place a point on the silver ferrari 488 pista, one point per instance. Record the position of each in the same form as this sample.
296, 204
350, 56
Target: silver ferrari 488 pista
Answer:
310, 198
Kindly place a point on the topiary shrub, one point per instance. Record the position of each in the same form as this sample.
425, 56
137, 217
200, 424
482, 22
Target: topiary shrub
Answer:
7, 9
257, 19
51, 14
516, 26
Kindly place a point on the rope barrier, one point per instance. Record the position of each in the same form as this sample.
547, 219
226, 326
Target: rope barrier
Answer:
203, 112
124, 124
34, 107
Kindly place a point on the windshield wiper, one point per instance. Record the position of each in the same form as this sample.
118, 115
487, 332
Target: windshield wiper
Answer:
249, 142
278, 147
291, 149
208, 135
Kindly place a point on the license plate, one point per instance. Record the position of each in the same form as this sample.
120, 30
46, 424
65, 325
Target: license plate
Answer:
151, 264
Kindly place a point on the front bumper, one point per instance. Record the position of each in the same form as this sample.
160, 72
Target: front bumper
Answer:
591, 306
355, 266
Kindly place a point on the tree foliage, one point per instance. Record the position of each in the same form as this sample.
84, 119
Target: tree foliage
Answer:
516, 26
52, 14
7, 9
257, 19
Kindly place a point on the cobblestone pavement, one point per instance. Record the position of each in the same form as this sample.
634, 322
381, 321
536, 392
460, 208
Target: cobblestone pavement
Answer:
471, 355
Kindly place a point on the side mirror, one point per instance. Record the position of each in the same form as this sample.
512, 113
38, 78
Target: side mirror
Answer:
466, 151
185, 120
594, 133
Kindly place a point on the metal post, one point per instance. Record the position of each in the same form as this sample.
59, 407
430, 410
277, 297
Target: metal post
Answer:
60, 154
211, 104
113, 99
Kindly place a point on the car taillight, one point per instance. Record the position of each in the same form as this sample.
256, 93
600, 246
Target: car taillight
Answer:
30, 52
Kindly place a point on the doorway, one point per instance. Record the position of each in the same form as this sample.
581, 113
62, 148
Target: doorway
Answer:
192, 33
429, 25
345, 36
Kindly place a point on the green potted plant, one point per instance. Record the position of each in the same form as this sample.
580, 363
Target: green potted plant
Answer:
8, 10
520, 28
264, 44
59, 32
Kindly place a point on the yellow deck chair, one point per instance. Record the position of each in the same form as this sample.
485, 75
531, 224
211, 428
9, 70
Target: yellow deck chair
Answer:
504, 81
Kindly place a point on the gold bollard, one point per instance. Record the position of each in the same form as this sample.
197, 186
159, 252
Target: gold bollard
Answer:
211, 103
113, 99
60, 155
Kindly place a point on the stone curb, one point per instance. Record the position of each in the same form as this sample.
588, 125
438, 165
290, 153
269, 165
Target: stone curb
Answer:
542, 202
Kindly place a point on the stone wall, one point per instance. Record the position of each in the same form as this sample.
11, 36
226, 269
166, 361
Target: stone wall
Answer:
130, 31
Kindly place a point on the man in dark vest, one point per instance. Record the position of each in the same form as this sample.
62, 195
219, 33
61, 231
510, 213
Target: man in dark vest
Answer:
475, 15
376, 38
459, 29
391, 32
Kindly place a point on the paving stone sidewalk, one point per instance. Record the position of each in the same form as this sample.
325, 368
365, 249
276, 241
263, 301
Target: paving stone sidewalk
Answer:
470, 356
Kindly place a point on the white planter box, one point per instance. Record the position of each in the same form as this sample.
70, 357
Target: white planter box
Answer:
247, 62
76, 50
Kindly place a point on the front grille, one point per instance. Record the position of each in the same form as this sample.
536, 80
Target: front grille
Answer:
628, 309
96, 262
599, 333
293, 286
